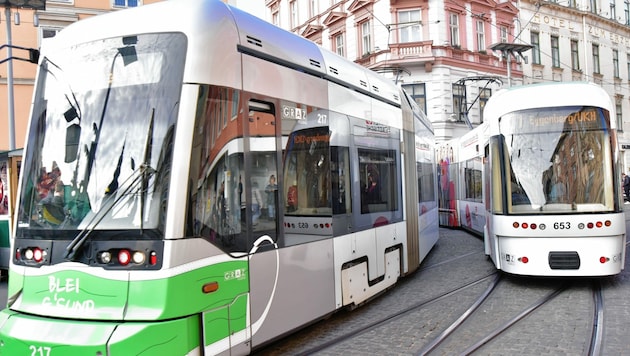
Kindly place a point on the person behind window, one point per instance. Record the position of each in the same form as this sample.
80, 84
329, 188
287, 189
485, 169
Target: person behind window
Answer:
626, 186
221, 208
271, 190
373, 190
256, 203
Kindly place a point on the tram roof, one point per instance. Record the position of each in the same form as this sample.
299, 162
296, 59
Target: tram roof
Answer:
214, 27
547, 95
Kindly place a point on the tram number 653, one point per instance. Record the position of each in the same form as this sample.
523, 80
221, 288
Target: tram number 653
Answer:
39, 350
562, 225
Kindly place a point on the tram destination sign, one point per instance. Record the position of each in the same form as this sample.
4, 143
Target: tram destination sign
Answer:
586, 118
24, 4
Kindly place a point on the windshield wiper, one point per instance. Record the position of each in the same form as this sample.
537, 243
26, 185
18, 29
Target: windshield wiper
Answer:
75, 245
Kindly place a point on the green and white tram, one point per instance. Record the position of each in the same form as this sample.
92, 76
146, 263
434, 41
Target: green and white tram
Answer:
144, 224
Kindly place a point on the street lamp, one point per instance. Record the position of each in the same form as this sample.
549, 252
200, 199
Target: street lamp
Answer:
8, 4
508, 50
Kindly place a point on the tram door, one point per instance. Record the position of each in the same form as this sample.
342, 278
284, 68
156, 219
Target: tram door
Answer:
489, 159
262, 146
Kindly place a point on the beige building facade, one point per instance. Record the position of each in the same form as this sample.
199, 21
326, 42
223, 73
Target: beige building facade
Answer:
29, 31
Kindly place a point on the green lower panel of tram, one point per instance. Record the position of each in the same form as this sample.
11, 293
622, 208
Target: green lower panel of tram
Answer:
28, 335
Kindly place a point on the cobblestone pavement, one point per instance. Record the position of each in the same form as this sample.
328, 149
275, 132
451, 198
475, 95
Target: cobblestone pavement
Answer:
562, 326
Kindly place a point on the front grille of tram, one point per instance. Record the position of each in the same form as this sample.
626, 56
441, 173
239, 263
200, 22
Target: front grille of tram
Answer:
564, 260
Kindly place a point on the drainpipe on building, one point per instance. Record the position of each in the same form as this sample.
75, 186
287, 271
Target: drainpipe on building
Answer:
11, 111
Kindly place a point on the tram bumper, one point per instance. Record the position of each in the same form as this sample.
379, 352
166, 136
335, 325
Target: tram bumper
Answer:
22, 334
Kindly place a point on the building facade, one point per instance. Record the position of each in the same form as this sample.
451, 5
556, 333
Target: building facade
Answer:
582, 40
442, 51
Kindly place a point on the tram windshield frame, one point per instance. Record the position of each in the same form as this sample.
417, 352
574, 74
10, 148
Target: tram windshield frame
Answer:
100, 139
560, 160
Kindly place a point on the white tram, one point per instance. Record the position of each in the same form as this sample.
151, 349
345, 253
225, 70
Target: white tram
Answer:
161, 127
552, 181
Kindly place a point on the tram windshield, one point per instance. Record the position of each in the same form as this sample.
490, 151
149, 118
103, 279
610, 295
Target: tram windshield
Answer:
100, 140
560, 160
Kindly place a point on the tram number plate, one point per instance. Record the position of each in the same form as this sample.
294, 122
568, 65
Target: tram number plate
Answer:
562, 225
39, 350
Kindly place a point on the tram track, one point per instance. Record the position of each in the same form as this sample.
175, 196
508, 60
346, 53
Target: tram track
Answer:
593, 342
497, 331
595, 346
505, 313
408, 295
392, 317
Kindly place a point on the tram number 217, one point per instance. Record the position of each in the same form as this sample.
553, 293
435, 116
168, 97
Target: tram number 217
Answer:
561, 225
39, 350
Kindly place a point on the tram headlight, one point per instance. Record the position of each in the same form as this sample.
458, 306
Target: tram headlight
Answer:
138, 257
105, 257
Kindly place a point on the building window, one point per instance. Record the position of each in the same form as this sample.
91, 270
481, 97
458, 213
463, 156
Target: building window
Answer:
459, 96
409, 26
575, 55
555, 52
275, 18
49, 32
619, 115
613, 12
504, 34
626, 11
366, 38
615, 58
313, 8
484, 95
593, 6
339, 45
596, 59
454, 29
293, 13
572, 3
418, 93
127, 3
481, 36
535, 40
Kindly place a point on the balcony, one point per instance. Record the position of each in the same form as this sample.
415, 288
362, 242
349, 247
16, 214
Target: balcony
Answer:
411, 50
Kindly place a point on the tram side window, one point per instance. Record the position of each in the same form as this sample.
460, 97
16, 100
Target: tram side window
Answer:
340, 192
426, 182
4, 189
307, 172
472, 177
216, 173
379, 182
